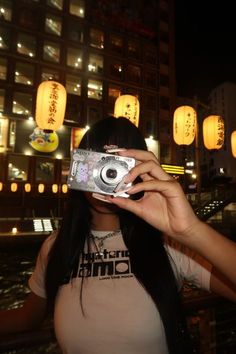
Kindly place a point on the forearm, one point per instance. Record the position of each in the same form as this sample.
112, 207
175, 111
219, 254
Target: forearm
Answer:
217, 249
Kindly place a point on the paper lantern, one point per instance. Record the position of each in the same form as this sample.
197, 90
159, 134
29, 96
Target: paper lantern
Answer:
233, 143
54, 188
14, 187
64, 188
127, 106
184, 125
50, 105
41, 188
27, 187
1, 186
213, 132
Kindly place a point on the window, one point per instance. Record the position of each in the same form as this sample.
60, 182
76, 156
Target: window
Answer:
51, 52
4, 39
58, 4
28, 17
116, 69
3, 68
24, 74
150, 102
113, 93
53, 24
133, 49
73, 109
26, 45
22, 103
134, 73
95, 89
164, 103
18, 168
73, 85
164, 80
75, 31
96, 38
95, 64
2, 98
6, 10
49, 74
77, 8
116, 44
74, 58
150, 56
44, 170
94, 114
150, 79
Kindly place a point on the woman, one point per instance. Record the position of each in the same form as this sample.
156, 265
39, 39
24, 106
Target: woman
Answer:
114, 271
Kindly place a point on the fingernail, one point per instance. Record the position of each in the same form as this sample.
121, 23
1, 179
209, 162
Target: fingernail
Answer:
100, 197
115, 150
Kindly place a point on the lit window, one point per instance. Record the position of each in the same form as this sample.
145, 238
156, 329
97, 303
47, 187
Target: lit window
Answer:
73, 85
74, 58
18, 168
116, 69
6, 10
49, 74
51, 52
26, 45
22, 103
53, 24
77, 8
96, 38
95, 89
3, 69
95, 64
44, 170
58, 4
4, 39
24, 74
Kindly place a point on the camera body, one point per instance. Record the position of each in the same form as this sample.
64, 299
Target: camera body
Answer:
98, 172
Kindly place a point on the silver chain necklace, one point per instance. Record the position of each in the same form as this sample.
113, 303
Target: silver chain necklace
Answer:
101, 240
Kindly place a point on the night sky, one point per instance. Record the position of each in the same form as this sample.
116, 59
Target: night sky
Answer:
205, 46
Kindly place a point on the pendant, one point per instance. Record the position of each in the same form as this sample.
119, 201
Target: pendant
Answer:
100, 253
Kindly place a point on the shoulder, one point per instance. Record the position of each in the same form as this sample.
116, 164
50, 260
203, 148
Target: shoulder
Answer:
48, 243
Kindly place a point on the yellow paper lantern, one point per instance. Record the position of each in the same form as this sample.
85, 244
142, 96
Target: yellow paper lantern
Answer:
54, 188
14, 187
50, 105
27, 187
233, 143
1, 186
213, 132
64, 188
41, 188
127, 106
184, 125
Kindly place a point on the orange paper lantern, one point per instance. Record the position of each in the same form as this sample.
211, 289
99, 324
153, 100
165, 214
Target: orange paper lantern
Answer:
213, 132
127, 106
184, 125
233, 143
50, 105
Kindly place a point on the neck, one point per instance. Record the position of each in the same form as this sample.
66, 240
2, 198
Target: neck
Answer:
104, 222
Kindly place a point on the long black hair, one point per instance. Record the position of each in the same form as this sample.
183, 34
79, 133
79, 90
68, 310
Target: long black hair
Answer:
149, 260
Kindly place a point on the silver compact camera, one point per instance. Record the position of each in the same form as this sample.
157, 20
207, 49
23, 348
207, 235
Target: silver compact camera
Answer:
98, 172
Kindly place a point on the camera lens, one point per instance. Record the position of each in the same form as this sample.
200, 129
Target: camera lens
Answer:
111, 173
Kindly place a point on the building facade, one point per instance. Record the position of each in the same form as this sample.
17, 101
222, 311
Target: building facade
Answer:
98, 51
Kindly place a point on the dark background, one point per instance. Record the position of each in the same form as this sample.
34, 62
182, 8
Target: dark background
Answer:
205, 46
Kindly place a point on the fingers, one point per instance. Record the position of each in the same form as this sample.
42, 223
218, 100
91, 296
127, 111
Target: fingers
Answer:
168, 188
145, 169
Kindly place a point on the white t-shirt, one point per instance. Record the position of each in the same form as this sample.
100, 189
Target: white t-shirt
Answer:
117, 315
